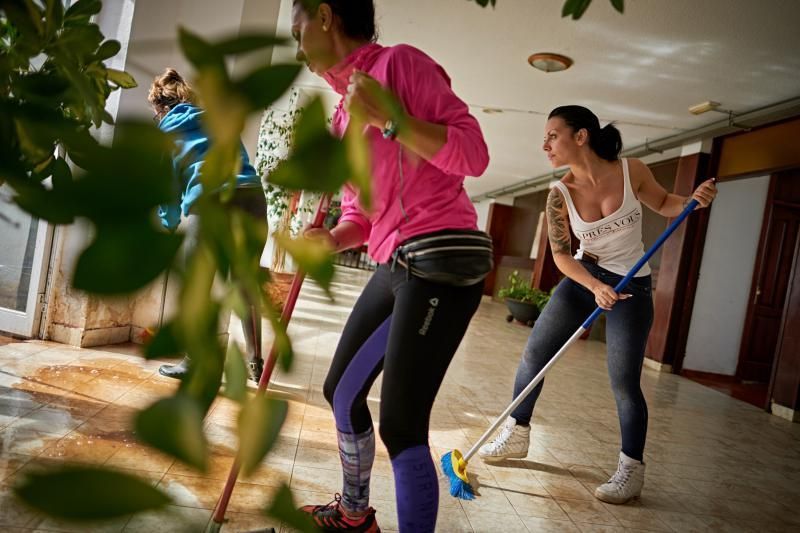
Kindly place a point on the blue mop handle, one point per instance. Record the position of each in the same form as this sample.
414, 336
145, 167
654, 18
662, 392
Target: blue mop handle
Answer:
653, 249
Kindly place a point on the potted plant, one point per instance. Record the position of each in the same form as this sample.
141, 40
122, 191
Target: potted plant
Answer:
284, 208
523, 301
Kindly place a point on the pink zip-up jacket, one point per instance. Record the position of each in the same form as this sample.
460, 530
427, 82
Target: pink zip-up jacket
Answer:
433, 194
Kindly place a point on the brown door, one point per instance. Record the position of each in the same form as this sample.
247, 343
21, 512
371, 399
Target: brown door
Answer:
770, 282
499, 219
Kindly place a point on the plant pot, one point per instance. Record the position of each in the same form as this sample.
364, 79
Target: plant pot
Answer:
278, 287
524, 312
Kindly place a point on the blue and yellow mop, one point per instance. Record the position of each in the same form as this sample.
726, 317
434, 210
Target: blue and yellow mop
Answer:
454, 463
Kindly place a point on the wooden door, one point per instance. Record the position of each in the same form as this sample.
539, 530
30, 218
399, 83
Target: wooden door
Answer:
771, 279
499, 219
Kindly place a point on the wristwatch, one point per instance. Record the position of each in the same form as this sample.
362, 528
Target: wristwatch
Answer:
389, 130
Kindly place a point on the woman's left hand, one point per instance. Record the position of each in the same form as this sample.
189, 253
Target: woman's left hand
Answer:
367, 97
705, 193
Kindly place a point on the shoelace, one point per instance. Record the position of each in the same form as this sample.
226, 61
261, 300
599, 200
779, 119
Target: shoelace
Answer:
502, 439
622, 475
332, 505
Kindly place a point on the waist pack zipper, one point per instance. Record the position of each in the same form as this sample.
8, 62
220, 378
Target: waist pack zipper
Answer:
443, 237
412, 255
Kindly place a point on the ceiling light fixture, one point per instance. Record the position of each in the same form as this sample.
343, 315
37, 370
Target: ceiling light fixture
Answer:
547, 62
710, 105
705, 107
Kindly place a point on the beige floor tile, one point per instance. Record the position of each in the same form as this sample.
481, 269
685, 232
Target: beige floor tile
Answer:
536, 506
240, 522
635, 516
546, 525
588, 512
172, 519
189, 491
487, 522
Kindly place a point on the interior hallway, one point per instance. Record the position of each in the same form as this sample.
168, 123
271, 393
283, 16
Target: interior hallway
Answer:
713, 463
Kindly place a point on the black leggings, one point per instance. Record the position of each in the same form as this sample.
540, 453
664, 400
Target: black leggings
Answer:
426, 322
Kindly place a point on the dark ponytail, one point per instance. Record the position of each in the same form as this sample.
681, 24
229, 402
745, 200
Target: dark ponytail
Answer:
606, 142
357, 16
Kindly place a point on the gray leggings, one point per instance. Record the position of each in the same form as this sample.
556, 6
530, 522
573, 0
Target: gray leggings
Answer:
627, 327
251, 200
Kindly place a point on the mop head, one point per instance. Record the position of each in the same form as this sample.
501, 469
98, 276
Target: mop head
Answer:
455, 468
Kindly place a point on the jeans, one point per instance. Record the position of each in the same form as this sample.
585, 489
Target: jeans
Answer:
627, 328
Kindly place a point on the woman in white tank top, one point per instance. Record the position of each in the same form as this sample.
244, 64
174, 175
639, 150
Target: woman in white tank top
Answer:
600, 199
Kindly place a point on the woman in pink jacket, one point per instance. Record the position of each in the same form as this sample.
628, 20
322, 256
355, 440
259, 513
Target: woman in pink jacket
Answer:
415, 309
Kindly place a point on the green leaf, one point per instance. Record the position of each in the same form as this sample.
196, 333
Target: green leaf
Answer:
124, 257
221, 165
36, 144
311, 124
248, 43
62, 174
138, 161
107, 50
54, 16
165, 343
259, 425
311, 256
199, 327
42, 203
175, 426
200, 53
575, 8
81, 41
26, 17
358, 155
42, 88
284, 509
235, 375
266, 84
619, 5
82, 10
318, 161
281, 342
89, 493
121, 79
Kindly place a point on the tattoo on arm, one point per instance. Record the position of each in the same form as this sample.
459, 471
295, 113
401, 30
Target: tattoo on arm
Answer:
557, 223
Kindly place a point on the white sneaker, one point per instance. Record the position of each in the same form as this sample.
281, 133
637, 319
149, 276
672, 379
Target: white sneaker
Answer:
626, 483
511, 443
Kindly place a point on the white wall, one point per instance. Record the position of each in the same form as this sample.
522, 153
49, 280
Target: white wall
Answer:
482, 208
725, 276
154, 45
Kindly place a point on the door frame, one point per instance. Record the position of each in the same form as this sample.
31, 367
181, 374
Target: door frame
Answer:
26, 323
752, 295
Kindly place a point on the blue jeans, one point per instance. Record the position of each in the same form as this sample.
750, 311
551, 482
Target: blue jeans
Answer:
627, 327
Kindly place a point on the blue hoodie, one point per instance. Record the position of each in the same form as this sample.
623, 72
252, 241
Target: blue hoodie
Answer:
191, 145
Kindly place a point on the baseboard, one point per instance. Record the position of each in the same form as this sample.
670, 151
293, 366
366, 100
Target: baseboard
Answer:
792, 415
657, 366
104, 336
87, 338
711, 376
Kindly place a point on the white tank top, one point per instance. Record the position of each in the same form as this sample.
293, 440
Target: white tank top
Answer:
616, 239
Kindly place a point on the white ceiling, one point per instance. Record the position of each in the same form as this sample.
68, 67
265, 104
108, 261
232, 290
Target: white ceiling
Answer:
642, 69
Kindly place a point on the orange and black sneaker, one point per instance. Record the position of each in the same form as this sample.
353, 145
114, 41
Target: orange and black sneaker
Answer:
330, 518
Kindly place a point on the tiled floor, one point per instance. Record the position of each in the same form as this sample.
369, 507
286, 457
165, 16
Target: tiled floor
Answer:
714, 463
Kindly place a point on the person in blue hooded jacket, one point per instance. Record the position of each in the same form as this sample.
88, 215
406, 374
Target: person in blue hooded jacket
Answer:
176, 110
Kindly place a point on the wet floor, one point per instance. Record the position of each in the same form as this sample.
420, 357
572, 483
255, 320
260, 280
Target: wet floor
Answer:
714, 463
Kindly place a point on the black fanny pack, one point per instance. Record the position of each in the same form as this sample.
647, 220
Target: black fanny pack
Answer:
450, 257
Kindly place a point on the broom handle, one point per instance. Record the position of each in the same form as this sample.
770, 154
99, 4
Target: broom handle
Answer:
288, 308
580, 331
